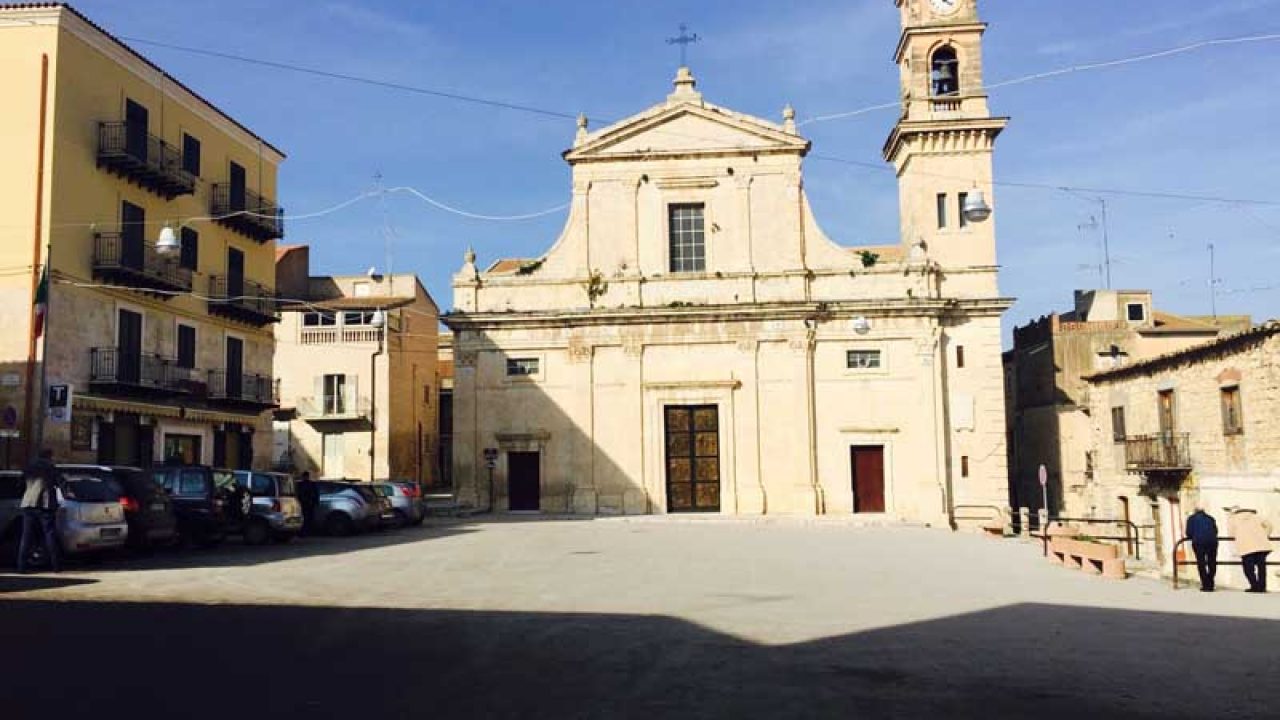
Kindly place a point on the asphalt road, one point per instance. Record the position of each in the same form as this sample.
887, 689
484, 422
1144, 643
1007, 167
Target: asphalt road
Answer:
629, 619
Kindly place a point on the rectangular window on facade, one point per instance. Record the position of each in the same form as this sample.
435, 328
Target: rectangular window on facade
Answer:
959, 356
191, 154
186, 346
960, 217
1137, 312
319, 319
190, 256
358, 317
964, 466
687, 237
942, 211
1117, 424
335, 386
862, 359
1232, 415
522, 367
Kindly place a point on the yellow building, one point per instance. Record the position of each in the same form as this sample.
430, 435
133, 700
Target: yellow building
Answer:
357, 361
166, 348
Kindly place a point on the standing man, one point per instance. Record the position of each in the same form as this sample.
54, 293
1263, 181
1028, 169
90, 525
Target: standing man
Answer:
1203, 531
40, 511
1253, 542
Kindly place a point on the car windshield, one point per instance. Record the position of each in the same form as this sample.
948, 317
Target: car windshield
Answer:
87, 488
284, 486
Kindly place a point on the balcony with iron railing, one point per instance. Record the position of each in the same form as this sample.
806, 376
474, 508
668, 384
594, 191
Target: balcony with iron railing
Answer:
138, 156
129, 261
241, 389
1161, 452
342, 406
123, 371
247, 213
243, 300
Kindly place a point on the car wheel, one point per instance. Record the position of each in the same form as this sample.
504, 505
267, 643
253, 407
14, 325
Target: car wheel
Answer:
256, 533
339, 524
402, 520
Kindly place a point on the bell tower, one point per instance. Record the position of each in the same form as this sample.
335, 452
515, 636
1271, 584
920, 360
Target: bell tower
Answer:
942, 144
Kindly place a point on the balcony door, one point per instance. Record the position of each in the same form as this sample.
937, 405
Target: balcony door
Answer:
133, 228
235, 367
334, 395
1168, 413
237, 189
136, 121
128, 347
235, 272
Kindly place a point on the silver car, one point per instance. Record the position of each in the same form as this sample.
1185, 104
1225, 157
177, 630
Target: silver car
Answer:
406, 501
276, 513
341, 509
90, 512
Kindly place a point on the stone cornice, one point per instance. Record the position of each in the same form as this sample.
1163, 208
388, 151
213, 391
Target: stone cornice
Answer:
908, 128
934, 29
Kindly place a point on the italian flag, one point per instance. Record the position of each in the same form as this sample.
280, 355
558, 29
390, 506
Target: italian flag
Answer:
42, 302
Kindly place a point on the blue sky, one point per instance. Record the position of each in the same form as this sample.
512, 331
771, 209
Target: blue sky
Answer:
1201, 123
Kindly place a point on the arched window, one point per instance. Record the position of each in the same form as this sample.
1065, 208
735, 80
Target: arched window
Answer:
945, 72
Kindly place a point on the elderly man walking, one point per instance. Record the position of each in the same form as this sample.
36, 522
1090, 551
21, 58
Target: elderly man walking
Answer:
1253, 542
40, 511
1203, 531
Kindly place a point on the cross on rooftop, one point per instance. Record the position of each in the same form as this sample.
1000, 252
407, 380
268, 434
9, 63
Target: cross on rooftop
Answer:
684, 39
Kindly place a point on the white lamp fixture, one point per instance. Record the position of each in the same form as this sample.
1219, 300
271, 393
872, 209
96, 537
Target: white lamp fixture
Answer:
861, 325
379, 319
168, 243
976, 208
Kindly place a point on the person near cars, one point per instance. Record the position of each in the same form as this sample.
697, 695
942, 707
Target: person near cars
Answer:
1253, 543
1203, 531
308, 495
40, 511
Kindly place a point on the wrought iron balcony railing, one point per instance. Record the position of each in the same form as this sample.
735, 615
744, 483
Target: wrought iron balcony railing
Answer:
247, 213
241, 388
344, 405
127, 260
136, 155
241, 299
126, 369
1159, 452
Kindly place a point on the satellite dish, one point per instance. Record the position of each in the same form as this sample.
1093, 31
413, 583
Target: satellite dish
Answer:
372, 272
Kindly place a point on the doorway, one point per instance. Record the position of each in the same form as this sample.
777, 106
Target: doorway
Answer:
693, 458
524, 482
867, 464
129, 347
334, 452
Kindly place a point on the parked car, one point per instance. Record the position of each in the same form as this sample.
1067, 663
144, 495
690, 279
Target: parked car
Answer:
147, 508
340, 508
276, 512
385, 510
406, 501
207, 501
90, 514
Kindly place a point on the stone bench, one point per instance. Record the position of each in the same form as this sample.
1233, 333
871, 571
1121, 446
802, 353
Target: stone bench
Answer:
1091, 557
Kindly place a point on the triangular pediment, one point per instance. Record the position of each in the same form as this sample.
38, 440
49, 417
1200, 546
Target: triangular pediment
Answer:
686, 128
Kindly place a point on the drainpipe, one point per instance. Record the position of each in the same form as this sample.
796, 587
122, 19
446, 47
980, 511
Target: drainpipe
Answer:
810, 343
379, 322
29, 409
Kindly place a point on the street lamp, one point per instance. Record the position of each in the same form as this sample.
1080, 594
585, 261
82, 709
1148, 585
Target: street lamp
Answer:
976, 208
168, 243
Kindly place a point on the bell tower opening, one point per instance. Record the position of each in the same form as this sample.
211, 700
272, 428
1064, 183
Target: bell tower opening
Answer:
945, 72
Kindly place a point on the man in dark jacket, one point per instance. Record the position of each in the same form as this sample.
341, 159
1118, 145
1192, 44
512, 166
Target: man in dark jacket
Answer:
40, 511
1203, 531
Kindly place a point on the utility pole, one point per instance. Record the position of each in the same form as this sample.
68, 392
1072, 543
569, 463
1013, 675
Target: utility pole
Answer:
1213, 284
1106, 242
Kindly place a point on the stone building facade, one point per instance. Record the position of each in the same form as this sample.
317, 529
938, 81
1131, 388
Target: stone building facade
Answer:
165, 354
357, 400
693, 342
1049, 414
1193, 427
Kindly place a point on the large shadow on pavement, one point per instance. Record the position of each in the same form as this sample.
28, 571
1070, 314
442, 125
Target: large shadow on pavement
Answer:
1038, 661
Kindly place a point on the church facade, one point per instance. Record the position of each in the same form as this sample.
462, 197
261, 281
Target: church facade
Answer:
693, 342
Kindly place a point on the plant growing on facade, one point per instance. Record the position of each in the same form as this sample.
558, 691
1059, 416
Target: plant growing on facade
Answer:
530, 268
869, 259
597, 286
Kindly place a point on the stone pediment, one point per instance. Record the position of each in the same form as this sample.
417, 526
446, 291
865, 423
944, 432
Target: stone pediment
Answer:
686, 125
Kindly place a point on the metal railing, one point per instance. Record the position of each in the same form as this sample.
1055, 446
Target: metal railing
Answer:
1162, 451
242, 299
345, 405
117, 366
1132, 540
241, 387
1178, 547
118, 256
247, 212
141, 156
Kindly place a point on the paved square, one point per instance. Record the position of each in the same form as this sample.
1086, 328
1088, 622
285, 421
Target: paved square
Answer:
639, 618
